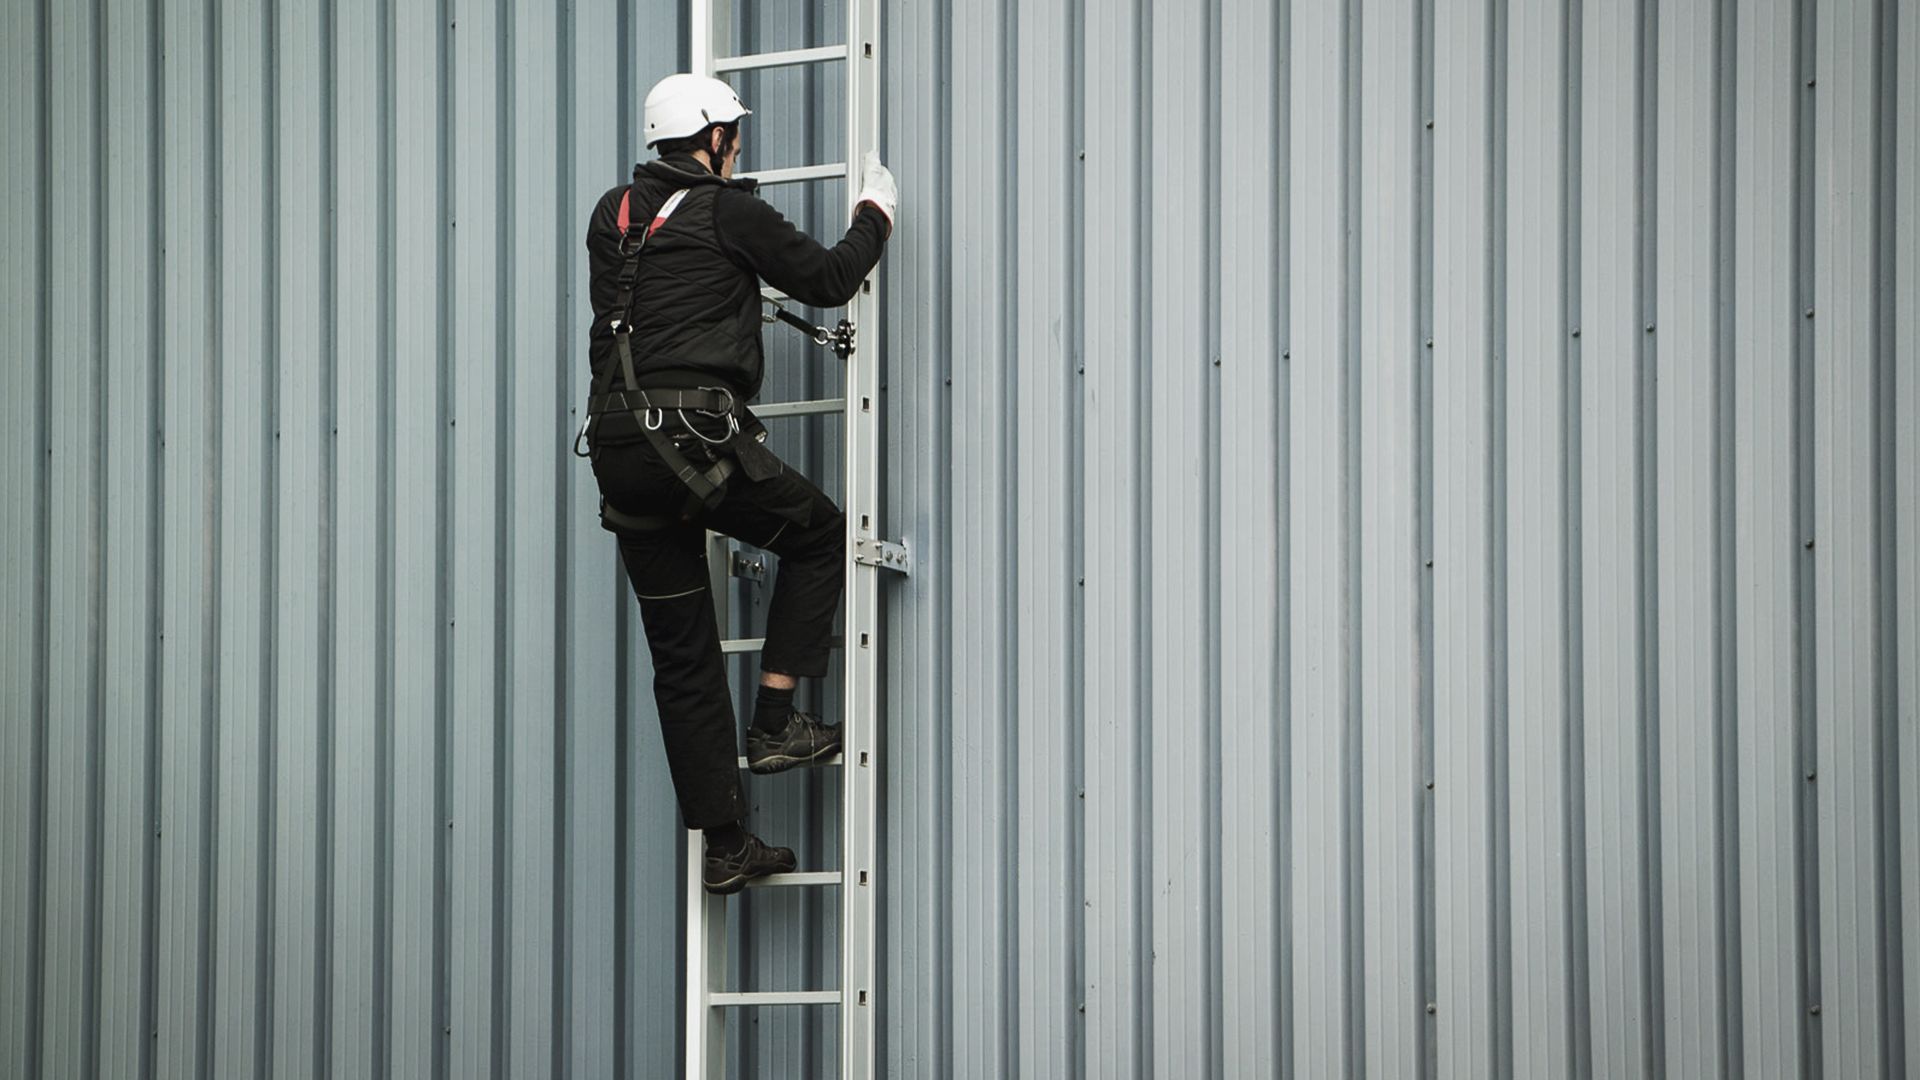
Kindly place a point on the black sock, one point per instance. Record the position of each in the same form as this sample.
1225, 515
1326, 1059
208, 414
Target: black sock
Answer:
772, 707
725, 839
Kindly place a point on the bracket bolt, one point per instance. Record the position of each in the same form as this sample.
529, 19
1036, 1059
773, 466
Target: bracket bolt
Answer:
1432, 1008
1809, 313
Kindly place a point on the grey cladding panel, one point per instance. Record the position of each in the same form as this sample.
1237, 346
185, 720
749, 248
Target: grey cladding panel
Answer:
1290, 407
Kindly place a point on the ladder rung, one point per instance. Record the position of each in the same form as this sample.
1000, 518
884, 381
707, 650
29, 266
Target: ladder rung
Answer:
755, 644
797, 173
803, 878
837, 759
822, 407
776, 997
787, 58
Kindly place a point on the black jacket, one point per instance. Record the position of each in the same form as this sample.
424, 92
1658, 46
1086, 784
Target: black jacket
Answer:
695, 306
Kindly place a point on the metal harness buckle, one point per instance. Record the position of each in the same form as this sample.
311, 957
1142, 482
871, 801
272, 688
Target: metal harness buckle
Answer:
730, 413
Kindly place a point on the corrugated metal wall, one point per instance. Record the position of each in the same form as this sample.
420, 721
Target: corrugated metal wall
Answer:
312, 764
1422, 502
1414, 511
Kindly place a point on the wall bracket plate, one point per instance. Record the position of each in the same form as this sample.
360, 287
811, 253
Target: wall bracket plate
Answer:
885, 554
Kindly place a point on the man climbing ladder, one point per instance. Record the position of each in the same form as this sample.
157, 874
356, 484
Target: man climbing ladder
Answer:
675, 261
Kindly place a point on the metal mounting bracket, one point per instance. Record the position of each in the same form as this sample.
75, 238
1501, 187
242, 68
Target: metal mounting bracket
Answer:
750, 567
884, 554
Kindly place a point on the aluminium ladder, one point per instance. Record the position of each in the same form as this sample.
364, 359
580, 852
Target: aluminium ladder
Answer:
707, 998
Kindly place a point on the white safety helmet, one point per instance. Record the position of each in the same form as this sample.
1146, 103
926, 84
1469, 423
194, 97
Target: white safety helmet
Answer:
683, 105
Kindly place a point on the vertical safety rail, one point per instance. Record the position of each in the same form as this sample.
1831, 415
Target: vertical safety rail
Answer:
859, 809
707, 997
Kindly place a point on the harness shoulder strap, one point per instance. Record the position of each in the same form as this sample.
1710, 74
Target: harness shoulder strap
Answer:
602, 382
625, 217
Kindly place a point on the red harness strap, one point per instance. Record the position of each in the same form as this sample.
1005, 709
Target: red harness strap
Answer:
666, 211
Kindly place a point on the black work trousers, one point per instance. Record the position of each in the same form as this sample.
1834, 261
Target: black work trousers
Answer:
786, 515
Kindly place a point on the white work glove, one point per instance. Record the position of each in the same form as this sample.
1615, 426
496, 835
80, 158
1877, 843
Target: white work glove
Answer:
877, 187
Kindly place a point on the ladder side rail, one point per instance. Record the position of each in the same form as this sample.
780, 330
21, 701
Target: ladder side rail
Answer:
706, 945
859, 803
710, 33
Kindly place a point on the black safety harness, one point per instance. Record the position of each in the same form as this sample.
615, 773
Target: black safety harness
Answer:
706, 485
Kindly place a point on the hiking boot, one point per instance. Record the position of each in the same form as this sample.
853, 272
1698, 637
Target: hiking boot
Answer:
804, 741
728, 872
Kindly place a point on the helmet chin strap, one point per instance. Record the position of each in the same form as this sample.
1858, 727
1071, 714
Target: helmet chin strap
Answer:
719, 149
